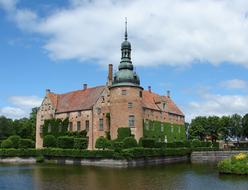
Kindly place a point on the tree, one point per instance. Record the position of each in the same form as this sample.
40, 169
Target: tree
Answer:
6, 127
245, 125
198, 128
236, 129
225, 128
212, 127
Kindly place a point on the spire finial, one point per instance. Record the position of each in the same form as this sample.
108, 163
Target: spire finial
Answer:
125, 28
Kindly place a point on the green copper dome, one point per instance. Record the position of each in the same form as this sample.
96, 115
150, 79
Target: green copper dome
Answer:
126, 75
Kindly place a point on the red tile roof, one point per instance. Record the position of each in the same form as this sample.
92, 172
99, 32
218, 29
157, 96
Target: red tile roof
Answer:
76, 100
150, 101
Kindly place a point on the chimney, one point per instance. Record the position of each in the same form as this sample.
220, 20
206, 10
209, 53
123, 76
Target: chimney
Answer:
85, 86
48, 91
149, 88
110, 74
168, 93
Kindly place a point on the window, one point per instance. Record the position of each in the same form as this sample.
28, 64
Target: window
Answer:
100, 124
124, 92
79, 114
98, 110
68, 115
140, 94
70, 126
147, 125
49, 129
130, 104
131, 121
164, 105
41, 129
87, 125
162, 127
172, 129
78, 126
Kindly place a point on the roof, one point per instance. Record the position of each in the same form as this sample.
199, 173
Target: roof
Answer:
76, 100
150, 101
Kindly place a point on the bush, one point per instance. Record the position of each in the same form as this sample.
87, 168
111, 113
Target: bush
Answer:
237, 164
102, 143
15, 139
7, 144
49, 141
123, 133
80, 143
12, 152
26, 143
117, 145
147, 142
129, 142
140, 152
76, 134
65, 142
198, 143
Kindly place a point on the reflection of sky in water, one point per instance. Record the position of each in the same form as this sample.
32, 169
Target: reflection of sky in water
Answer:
171, 177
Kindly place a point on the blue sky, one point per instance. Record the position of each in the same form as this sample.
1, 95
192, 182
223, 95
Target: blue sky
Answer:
190, 49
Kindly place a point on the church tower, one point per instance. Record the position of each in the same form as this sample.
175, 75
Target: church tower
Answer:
126, 95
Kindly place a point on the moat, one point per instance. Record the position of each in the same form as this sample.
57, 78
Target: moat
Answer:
183, 176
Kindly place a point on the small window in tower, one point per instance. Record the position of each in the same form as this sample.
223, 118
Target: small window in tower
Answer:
70, 126
164, 105
131, 121
78, 125
100, 124
124, 92
130, 105
87, 125
140, 94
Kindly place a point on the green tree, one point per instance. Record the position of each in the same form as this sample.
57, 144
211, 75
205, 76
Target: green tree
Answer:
6, 127
225, 128
236, 126
245, 125
212, 127
197, 128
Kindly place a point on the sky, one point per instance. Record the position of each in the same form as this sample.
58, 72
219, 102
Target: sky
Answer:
197, 49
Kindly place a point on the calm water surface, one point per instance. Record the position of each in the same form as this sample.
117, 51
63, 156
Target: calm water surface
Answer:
177, 176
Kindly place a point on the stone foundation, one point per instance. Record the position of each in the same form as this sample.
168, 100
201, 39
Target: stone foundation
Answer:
212, 156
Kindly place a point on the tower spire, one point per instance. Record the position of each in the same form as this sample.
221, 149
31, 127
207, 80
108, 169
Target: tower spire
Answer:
125, 28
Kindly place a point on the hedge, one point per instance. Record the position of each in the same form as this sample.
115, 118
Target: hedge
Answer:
15, 139
129, 142
80, 143
131, 153
49, 141
140, 152
147, 142
26, 143
102, 143
7, 144
124, 132
65, 142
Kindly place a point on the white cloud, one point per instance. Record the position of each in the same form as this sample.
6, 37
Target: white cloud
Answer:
214, 104
172, 32
25, 101
22, 106
234, 84
13, 112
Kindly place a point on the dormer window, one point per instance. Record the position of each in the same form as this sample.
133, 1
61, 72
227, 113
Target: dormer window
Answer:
164, 105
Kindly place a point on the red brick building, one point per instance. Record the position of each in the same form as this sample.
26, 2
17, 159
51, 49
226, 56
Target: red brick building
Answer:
122, 102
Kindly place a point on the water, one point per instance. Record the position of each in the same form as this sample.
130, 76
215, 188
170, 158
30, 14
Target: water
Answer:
182, 176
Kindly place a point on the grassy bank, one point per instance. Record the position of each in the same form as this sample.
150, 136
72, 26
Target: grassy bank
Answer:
237, 164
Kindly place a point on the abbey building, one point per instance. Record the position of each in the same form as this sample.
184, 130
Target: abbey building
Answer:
122, 102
